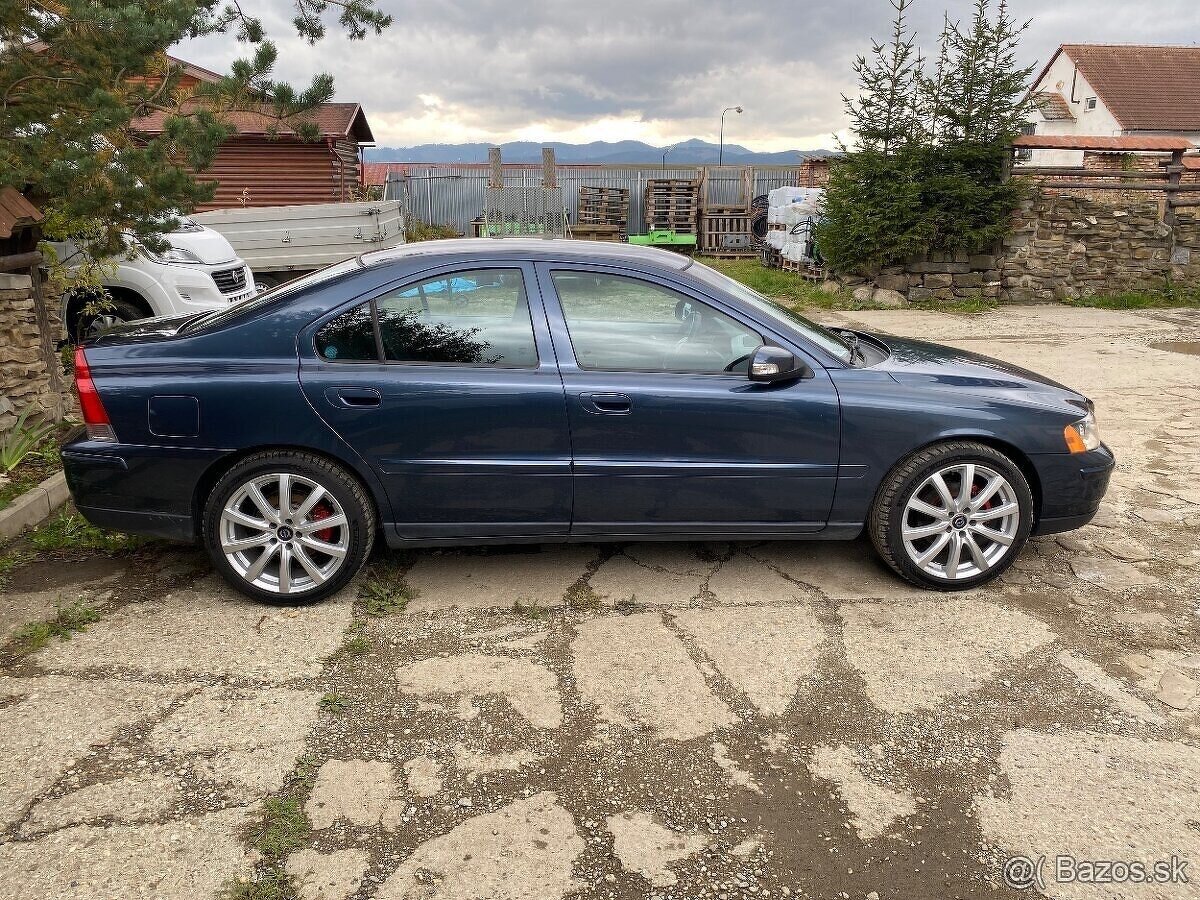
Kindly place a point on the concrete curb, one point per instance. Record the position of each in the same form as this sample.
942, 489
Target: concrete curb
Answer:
34, 506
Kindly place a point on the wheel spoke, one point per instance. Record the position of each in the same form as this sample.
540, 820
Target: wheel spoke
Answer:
256, 569
989, 490
313, 498
285, 569
939, 485
285, 496
240, 518
313, 570
270, 513
320, 524
311, 543
998, 537
996, 512
933, 550
964, 487
237, 546
923, 531
976, 552
953, 557
927, 510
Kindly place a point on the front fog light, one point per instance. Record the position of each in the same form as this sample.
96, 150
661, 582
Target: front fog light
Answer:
1083, 435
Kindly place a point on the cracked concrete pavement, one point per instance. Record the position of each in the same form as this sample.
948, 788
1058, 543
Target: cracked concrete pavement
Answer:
655, 720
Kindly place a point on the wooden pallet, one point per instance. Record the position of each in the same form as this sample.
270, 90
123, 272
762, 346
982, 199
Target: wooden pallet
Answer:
599, 205
721, 233
807, 271
584, 232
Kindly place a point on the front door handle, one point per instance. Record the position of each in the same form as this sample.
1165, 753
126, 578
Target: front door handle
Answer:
354, 397
606, 404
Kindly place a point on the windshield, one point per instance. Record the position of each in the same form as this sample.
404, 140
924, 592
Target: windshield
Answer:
822, 337
219, 317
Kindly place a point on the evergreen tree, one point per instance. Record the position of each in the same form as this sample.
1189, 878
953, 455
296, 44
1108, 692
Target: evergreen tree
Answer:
76, 75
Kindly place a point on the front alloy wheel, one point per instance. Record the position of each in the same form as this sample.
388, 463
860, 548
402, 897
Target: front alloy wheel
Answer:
288, 527
952, 516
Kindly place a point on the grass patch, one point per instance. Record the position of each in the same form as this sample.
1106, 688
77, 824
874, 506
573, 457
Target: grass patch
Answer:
1169, 298
275, 884
581, 596
334, 703
786, 287
966, 306
68, 620
385, 590
282, 827
530, 609
70, 531
415, 230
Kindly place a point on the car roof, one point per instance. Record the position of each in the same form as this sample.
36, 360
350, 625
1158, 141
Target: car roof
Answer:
532, 249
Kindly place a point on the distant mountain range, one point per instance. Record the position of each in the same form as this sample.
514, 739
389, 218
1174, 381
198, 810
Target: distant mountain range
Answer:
693, 152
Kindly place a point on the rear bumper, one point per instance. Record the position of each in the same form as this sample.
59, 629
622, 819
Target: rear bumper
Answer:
1072, 486
140, 490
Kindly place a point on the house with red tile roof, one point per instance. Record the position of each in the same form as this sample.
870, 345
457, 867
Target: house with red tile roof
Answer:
1116, 90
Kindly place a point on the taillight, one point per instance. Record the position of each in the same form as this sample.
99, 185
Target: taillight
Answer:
94, 416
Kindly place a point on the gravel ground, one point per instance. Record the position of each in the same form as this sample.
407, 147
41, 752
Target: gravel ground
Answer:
670, 721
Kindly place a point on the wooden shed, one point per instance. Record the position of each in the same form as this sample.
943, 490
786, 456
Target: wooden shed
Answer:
267, 164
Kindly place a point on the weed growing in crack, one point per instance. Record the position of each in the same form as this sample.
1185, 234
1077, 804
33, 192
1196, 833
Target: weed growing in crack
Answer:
275, 884
626, 605
281, 828
530, 609
10, 562
581, 596
356, 642
71, 531
67, 621
385, 590
334, 703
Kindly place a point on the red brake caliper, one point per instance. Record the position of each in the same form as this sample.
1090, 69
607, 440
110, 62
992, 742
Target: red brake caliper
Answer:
319, 512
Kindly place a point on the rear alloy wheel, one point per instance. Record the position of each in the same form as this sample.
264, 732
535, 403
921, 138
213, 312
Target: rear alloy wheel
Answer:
288, 527
952, 516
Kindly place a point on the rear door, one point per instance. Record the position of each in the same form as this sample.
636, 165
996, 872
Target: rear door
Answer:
668, 434
447, 385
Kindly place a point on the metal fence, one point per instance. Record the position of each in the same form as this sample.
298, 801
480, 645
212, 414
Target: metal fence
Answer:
455, 194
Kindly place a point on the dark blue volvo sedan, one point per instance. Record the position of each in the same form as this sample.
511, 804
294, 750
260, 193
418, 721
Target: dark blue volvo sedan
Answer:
529, 390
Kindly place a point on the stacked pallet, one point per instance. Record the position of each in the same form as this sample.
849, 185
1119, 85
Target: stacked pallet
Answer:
604, 206
725, 232
672, 204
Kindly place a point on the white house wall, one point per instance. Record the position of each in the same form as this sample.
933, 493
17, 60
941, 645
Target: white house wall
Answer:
1098, 122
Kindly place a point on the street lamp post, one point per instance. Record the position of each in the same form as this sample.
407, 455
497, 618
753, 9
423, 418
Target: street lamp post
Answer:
721, 151
665, 152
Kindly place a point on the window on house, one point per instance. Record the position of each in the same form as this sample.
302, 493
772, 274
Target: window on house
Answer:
1090, 103
1024, 153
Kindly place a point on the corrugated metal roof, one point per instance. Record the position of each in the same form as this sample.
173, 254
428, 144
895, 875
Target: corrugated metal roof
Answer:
1128, 142
16, 212
1146, 88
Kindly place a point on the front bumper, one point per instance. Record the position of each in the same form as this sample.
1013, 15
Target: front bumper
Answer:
1072, 486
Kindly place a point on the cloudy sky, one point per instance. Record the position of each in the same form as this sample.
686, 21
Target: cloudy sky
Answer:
654, 70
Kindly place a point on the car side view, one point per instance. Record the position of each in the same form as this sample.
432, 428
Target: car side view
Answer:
531, 390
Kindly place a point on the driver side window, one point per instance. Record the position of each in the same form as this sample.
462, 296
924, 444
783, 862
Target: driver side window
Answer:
625, 324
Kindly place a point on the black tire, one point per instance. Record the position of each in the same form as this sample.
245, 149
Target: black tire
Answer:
266, 282
83, 326
344, 488
885, 524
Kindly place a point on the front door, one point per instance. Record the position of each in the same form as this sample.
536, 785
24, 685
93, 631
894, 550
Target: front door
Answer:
447, 386
668, 434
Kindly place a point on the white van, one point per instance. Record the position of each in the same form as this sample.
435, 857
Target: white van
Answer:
199, 272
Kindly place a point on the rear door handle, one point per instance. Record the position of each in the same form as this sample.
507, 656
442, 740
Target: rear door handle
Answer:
354, 397
606, 404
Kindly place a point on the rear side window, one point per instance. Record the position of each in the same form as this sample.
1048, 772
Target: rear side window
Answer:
478, 317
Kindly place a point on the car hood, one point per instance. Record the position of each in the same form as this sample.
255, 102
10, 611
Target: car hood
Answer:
210, 246
914, 362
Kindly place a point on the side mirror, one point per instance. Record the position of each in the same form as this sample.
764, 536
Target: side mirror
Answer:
770, 364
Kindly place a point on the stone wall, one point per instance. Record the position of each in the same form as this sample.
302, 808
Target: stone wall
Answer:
1062, 246
29, 366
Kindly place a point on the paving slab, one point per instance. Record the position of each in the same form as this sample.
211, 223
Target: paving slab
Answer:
327, 876
529, 688
764, 652
1096, 796
355, 791
497, 580
223, 633
912, 656
131, 799
873, 807
645, 847
840, 570
627, 665
525, 850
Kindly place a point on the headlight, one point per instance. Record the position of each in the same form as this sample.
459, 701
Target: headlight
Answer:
174, 255
1083, 435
